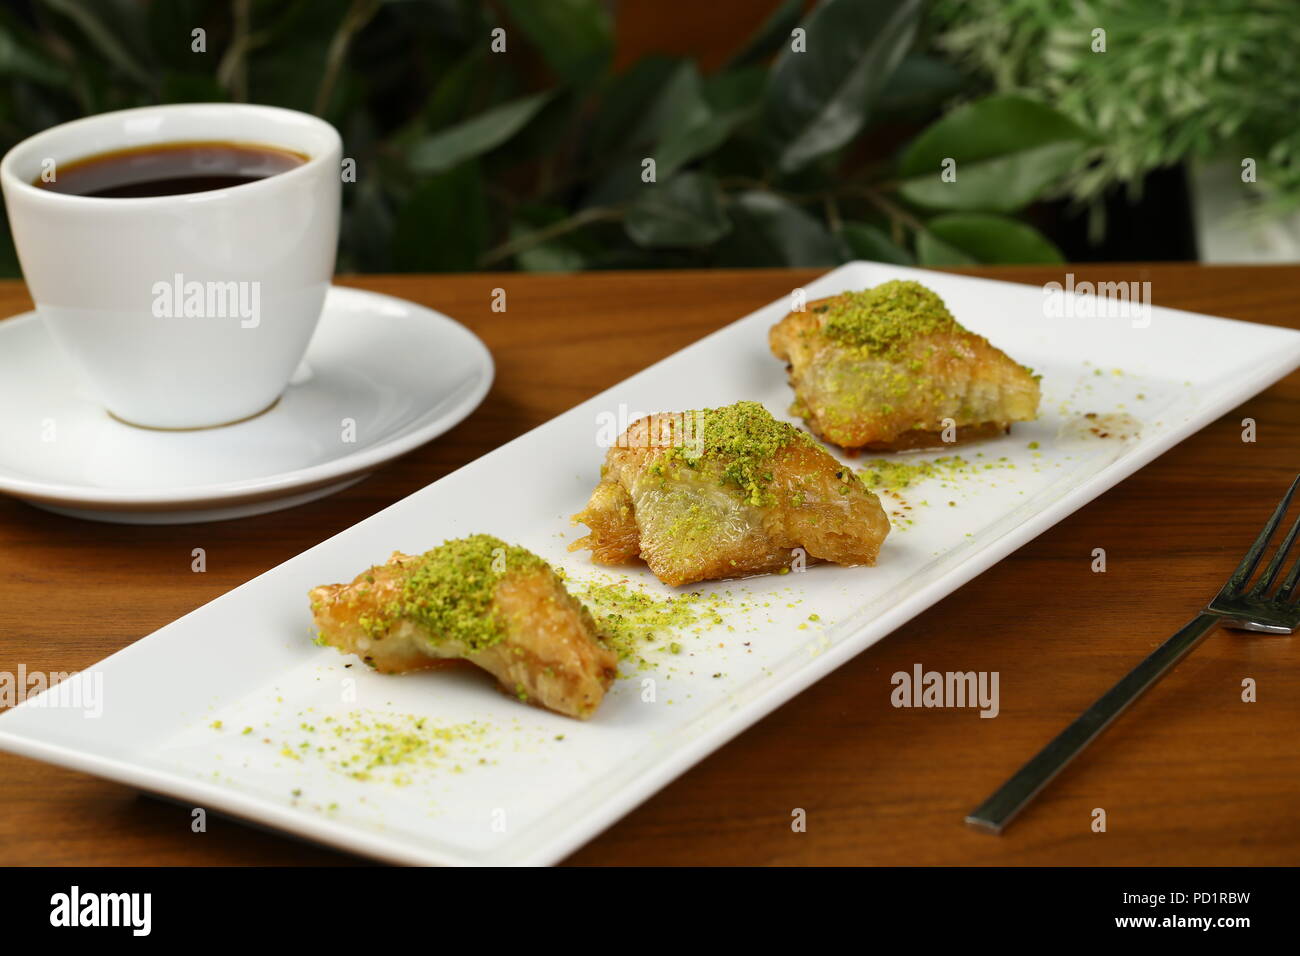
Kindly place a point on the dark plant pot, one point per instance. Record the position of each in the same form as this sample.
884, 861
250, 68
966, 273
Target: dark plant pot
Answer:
1157, 226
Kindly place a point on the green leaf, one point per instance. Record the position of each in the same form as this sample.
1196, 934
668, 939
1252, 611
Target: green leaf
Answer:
685, 119
543, 146
444, 226
620, 121
964, 239
28, 64
551, 256
772, 231
866, 241
920, 83
679, 105
684, 211
700, 135
474, 137
933, 251
682, 102
454, 88
568, 253
769, 37
576, 37
115, 41
818, 99
735, 89
1008, 150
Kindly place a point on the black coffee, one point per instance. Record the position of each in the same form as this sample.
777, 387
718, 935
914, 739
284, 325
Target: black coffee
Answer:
169, 169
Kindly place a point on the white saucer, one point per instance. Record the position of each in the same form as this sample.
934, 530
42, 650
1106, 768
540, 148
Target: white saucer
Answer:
402, 373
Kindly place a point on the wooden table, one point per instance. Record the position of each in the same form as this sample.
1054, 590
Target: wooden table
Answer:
1192, 775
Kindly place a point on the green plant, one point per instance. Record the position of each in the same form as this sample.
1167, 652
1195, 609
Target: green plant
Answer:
1177, 79
536, 158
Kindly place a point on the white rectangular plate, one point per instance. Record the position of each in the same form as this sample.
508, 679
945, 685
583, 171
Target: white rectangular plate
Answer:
529, 786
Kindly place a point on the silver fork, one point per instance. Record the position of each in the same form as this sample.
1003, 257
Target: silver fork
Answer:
1235, 607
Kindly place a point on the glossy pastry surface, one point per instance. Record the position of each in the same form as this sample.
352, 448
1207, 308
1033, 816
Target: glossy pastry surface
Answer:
889, 368
477, 600
725, 493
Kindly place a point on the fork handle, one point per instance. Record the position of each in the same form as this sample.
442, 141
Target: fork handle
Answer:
998, 810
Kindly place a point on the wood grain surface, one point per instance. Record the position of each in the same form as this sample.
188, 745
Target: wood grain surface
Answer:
1192, 775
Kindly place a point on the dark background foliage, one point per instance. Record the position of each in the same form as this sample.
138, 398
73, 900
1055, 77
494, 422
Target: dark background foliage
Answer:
533, 158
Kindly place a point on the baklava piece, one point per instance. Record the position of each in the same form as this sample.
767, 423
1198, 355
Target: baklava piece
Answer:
889, 368
724, 493
474, 599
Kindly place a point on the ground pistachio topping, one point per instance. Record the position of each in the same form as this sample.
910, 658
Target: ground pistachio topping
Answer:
892, 476
382, 746
883, 319
647, 628
449, 591
739, 441
627, 618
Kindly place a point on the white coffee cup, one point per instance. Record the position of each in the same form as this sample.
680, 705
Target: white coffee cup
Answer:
184, 311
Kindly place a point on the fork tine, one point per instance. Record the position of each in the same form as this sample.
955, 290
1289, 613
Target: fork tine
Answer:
1288, 586
1251, 560
1275, 565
